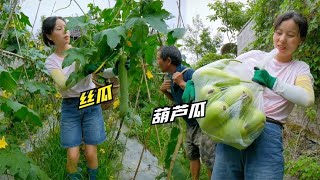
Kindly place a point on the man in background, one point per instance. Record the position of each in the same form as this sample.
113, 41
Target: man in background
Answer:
197, 143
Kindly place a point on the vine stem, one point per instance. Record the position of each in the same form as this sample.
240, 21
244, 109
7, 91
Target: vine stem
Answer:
25, 70
12, 54
149, 131
149, 96
69, 6
138, 94
118, 12
6, 27
29, 135
180, 19
35, 19
54, 5
145, 79
15, 31
63, 7
141, 155
159, 38
117, 136
225, 3
79, 7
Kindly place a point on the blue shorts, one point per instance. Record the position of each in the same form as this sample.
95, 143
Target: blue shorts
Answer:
81, 125
263, 159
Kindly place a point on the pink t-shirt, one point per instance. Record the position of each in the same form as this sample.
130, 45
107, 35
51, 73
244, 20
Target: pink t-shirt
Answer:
276, 106
55, 62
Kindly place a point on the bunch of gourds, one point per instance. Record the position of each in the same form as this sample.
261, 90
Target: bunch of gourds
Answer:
231, 116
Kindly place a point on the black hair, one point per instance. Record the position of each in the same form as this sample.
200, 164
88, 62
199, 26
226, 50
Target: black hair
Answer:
170, 52
47, 28
300, 20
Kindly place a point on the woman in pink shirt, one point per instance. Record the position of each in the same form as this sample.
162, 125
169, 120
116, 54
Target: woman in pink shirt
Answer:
76, 124
287, 82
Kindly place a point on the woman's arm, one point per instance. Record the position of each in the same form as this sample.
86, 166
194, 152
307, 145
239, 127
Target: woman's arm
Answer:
301, 93
59, 78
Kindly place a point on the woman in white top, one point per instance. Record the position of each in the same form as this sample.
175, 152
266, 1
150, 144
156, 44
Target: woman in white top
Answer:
287, 82
76, 124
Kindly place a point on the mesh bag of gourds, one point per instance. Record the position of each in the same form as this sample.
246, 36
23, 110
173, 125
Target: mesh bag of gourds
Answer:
234, 109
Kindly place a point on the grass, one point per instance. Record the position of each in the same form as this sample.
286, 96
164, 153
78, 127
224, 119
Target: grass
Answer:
51, 157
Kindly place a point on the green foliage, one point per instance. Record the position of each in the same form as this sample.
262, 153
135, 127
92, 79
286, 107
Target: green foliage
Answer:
180, 171
171, 145
10, 84
19, 111
107, 32
174, 35
38, 87
311, 113
304, 168
232, 14
265, 13
25, 91
52, 158
19, 21
19, 165
199, 41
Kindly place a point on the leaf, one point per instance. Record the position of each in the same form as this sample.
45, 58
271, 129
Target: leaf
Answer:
113, 36
106, 14
77, 54
131, 22
137, 119
157, 23
36, 173
24, 19
132, 18
7, 81
74, 78
174, 35
154, 15
171, 146
35, 54
121, 30
36, 86
179, 32
161, 176
40, 65
140, 33
179, 170
155, 8
78, 22
150, 54
19, 165
20, 111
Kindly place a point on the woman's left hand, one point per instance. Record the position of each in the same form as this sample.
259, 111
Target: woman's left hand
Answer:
263, 78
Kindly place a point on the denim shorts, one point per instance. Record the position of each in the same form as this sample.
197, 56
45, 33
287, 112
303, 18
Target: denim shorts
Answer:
79, 125
262, 160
